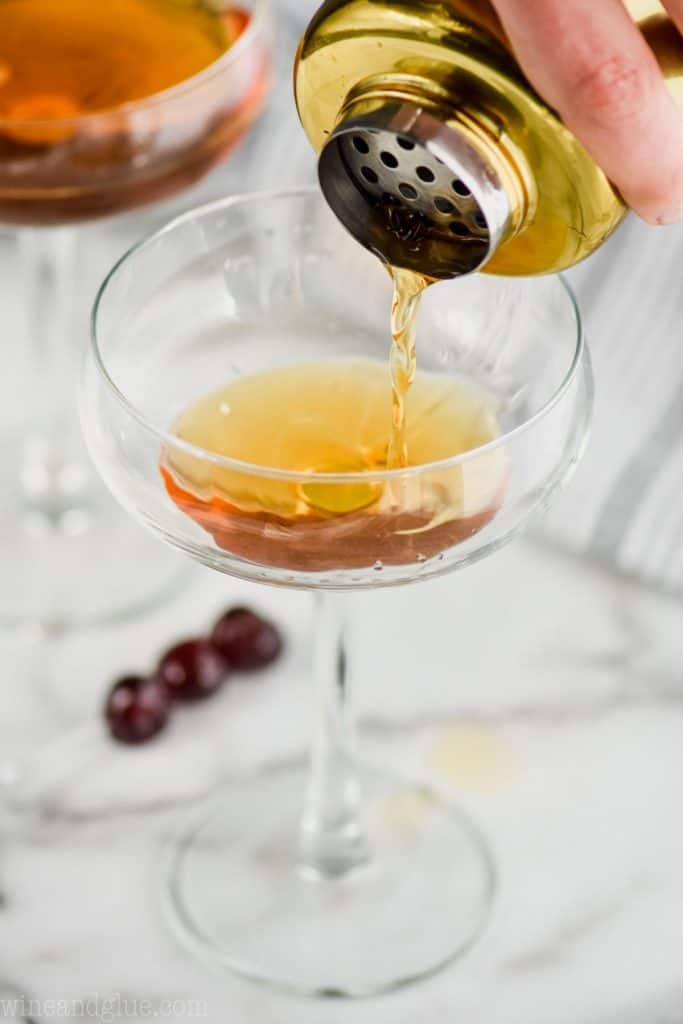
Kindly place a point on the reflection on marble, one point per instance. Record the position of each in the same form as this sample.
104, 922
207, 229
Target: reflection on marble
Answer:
543, 695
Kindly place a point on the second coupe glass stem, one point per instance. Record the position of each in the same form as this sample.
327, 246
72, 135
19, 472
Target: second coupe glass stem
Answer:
52, 473
333, 840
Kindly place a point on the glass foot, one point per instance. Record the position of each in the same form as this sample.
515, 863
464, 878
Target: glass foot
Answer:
82, 563
237, 894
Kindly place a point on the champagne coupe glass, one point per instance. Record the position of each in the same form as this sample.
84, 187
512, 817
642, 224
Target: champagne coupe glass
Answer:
338, 878
67, 555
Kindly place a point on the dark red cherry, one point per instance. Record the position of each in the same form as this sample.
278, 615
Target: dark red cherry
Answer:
245, 640
192, 670
137, 709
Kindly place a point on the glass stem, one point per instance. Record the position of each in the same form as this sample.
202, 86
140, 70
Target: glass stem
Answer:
333, 839
52, 472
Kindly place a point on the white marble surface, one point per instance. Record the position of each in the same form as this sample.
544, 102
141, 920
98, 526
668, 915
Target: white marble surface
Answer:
545, 696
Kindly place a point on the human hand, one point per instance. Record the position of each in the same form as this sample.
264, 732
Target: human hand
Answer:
590, 62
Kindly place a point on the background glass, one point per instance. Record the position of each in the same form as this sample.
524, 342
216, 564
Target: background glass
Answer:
67, 556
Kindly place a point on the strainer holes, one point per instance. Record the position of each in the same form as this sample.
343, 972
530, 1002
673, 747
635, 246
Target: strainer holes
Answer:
461, 189
388, 159
360, 145
407, 191
426, 174
405, 143
444, 205
480, 221
456, 227
369, 175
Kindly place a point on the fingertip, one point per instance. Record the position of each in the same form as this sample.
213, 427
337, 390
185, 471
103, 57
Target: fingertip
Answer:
670, 215
655, 192
666, 207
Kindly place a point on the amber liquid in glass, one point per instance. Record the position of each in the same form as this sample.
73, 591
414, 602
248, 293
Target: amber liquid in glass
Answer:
337, 418
64, 62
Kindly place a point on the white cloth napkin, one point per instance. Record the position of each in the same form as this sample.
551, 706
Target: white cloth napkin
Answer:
625, 505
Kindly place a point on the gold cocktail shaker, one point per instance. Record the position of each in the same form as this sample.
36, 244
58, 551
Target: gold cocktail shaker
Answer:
434, 149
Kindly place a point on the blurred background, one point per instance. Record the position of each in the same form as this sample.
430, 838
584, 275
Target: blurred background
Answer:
542, 689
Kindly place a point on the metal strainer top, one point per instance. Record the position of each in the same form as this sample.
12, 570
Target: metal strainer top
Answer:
414, 191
